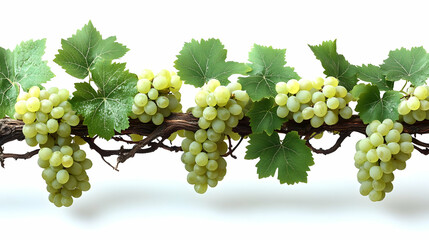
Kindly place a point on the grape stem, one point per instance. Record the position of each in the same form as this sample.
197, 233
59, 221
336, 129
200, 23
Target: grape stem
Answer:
11, 130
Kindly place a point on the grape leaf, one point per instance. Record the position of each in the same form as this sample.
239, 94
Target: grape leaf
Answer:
80, 52
411, 65
268, 68
198, 62
263, 117
374, 74
371, 107
358, 89
22, 67
106, 109
335, 64
291, 157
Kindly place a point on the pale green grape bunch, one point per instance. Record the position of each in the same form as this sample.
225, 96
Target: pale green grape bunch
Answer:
48, 118
385, 150
219, 109
415, 105
158, 96
64, 170
321, 101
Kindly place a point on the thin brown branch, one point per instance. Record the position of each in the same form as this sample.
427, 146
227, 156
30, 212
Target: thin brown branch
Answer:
341, 138
16, 156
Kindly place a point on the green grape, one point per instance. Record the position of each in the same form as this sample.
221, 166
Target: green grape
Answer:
376, 172
421, 92
211, 100
201, 159
346, 112
223, 113
307, 113
64, 130
331, 118
413, 103
303, 96
210, 113
157, 119
293, 104
33, 104
218, 126
29, 130
371, 156
406, 147
333, 103
403, 108
297, 117
160, 82
235, 109
150, 108
329, 91
320, 109
45, 154
144, 85
195, 148
365, 145
282, 111
341, 92
29, 117
222, 94
281, 87
162, 102
376, 139
384, 153
55, 99
383, 129
318, 83
365, 188
293, 86
281, 99
305, 84
316, 121
204, 124
200, 98
317, 97
140, 100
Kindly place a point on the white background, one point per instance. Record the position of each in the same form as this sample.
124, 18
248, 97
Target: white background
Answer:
149, 198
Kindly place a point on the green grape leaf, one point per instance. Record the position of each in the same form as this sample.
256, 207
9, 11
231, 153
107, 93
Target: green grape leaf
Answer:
358, 89
80, 52
335, 64
411, 65
263, 117
291, 157
22, 67
371, 107
268, 68
105, 109
374, 74
198, 62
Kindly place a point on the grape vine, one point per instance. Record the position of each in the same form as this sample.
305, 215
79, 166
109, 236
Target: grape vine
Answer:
270, 105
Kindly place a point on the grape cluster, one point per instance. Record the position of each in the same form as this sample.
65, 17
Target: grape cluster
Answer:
48, 118
320, 101
385, 149
414, 107
219, 108
158, 96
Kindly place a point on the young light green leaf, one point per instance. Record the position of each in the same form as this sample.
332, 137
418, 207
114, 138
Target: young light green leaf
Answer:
268, 68
358, 89
105, 110
22, 67
335, 64
80, 52
411, 65
198, 62
374, 74
291, 158
371, 107
263, 117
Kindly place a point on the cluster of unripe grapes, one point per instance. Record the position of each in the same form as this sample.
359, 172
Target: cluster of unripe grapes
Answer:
219, 108
48, 117
319, 100
415, 105
385, 149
